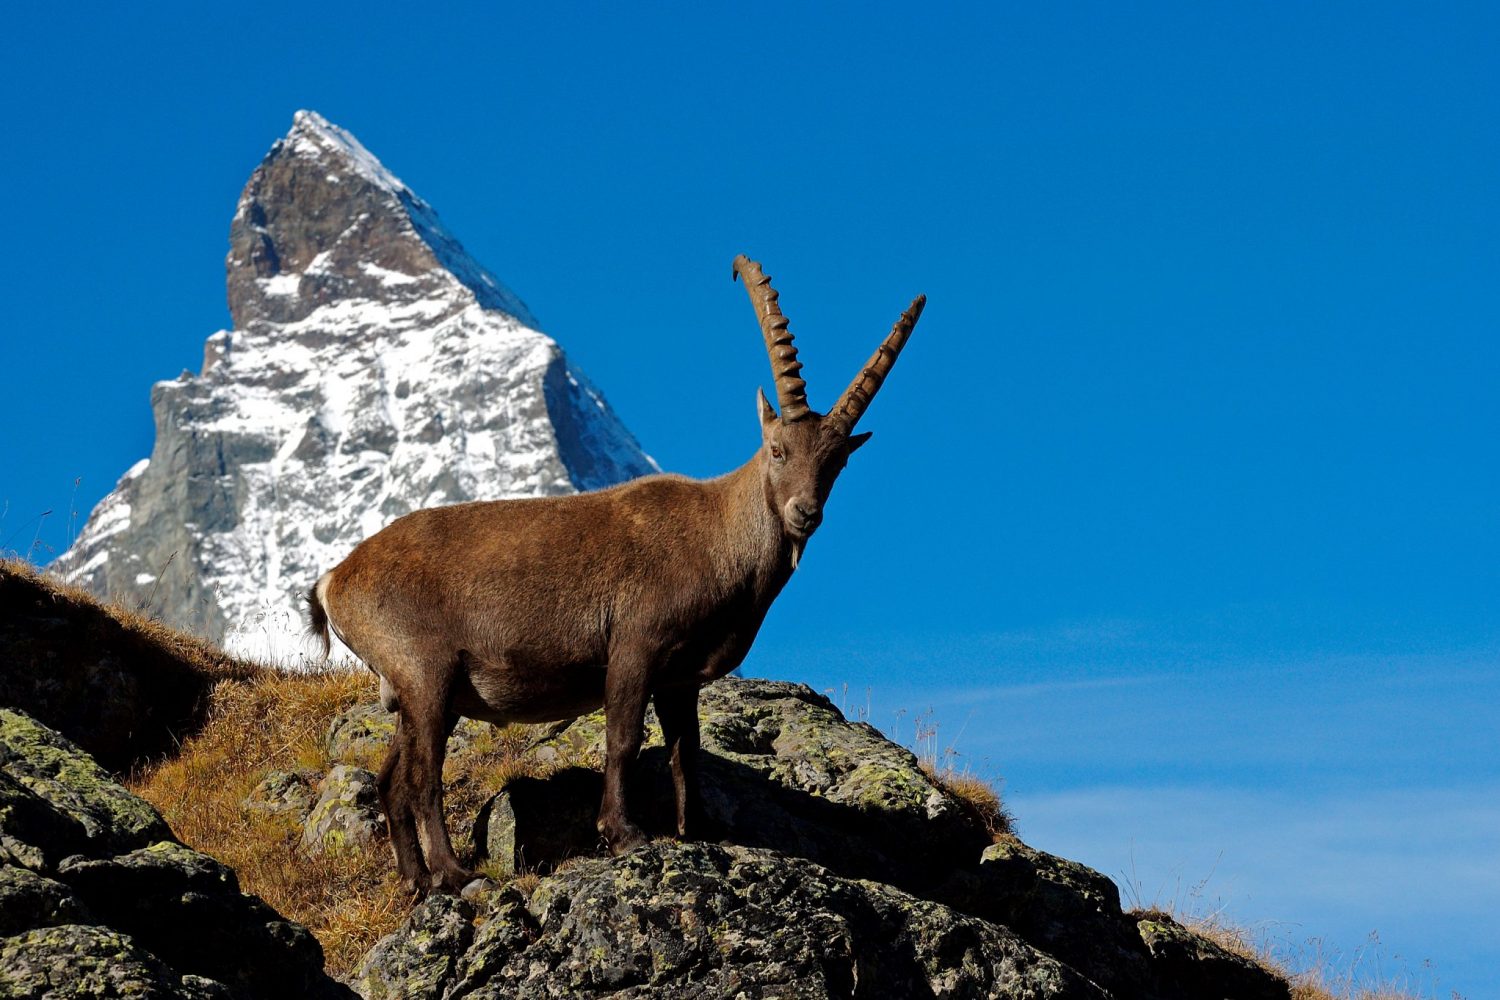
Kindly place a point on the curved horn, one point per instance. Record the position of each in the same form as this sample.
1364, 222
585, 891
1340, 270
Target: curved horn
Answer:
791, 390
851, 405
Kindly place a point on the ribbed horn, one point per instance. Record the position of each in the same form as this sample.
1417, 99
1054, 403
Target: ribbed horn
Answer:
851, 405
791, 390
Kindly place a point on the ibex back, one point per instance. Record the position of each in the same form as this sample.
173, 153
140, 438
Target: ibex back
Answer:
539, 610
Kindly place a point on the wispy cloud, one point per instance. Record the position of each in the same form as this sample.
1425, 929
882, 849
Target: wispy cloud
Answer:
1419, 865
1044, 688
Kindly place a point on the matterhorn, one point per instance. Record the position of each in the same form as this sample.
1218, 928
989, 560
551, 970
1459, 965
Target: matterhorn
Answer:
374, 368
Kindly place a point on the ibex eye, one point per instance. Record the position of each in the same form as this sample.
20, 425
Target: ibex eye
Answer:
777, 453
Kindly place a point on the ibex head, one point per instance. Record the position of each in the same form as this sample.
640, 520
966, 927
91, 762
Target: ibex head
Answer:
802, 451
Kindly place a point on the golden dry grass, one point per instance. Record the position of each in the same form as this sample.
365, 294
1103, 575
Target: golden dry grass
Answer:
277, 722
351, 899
1314, 977
978, 797
84, 609
238, 720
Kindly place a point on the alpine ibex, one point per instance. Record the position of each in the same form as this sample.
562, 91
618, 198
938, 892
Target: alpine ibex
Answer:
542, 609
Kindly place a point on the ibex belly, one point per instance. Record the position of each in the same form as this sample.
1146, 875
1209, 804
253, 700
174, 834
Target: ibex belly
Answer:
503, 690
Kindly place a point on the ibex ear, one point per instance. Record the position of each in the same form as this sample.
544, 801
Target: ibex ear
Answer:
856, 441
767, 412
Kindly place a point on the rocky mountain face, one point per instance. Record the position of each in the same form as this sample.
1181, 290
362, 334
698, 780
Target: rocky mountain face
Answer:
374, 368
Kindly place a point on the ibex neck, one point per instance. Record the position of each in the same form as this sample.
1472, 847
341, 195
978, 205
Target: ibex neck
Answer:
759, 548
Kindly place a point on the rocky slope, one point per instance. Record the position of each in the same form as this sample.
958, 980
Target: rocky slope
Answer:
98, 899
374, 368
124, 688
829, 865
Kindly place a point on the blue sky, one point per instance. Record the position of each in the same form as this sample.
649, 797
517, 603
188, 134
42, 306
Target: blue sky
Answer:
1181, 510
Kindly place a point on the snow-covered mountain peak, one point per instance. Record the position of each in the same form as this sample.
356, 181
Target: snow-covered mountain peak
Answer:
322, 220
374, 367
315, 137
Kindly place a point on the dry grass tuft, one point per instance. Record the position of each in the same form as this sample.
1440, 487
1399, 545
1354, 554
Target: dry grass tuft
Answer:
978, 797
1314, 976
220, 724
277, 722
280, 722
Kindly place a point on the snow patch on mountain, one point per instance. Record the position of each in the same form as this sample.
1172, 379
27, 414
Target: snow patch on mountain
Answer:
374, 368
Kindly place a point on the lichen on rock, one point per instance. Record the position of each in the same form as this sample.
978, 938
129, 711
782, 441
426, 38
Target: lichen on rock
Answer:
1192, 965
781, 769
282, 792
424, 959
347, 813
29, 900
104, 816
697, 920
75, 960
98, 899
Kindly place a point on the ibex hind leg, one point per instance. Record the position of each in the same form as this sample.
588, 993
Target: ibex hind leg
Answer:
421, 745
400, 820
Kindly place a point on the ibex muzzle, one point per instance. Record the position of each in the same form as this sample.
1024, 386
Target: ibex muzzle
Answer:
544, 609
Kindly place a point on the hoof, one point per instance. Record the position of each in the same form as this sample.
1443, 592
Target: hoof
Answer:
693, 827
479, 888
452, 882
625, 840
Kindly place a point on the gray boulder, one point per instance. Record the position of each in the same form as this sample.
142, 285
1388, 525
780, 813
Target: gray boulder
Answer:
57, 801
703, 921
282, 792
362, 733
1064, 908
92, 963
422, 958
1191, 965
787, 776
98, 899
781, 769
29, 900
347, 813
535, 824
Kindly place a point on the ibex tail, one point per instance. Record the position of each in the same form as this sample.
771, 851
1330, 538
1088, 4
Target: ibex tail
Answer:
317, 617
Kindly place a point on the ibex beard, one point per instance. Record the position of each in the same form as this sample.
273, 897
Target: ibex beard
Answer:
545, 609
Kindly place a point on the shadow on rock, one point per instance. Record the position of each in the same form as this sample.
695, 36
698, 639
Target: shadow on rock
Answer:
97, 898
784, 772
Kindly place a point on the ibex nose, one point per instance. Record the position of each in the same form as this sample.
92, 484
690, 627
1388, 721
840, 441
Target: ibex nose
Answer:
805, 514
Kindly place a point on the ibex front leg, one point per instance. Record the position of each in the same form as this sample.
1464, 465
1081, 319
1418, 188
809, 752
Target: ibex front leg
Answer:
678, 711
626, 683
